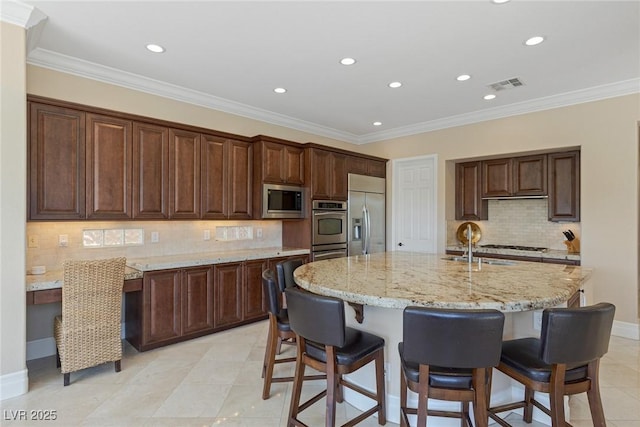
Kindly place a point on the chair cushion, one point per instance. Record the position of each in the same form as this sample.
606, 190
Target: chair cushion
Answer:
523, 355
358, 344
439, 377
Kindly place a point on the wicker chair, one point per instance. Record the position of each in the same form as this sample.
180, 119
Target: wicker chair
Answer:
88, 332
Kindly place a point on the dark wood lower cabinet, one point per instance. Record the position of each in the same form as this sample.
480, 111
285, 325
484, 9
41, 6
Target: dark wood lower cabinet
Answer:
180, 304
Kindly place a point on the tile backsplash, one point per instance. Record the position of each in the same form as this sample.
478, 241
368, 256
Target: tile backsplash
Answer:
518, 222
173, 238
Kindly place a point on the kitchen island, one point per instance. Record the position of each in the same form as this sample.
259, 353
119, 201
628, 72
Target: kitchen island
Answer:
384, 283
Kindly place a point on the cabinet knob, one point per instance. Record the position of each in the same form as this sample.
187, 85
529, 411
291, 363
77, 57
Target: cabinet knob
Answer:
400, 244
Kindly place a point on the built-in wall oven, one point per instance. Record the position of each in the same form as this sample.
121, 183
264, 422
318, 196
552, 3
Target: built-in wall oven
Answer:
329, 229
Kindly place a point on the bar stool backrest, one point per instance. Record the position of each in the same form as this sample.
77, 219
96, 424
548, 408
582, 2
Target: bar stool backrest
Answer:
284, 270
452, 338
316, 318
576, 335
271, 292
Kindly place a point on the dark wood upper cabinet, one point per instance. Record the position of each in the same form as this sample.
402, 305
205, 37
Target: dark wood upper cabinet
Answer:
108, 180
56, 163
215, 177
496, 178
184, 174
564, 186
240, 175
364, 166
328, 175
469, 202
282, 163
150, 171
530, 175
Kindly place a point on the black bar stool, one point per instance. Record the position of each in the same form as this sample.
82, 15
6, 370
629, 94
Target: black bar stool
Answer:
279, 331
565, 360
284, 272
327, 345
448, 355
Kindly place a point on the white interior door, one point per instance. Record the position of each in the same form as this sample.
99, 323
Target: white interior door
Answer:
414, 204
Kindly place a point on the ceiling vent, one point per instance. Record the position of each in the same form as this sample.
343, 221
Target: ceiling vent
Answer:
506, 84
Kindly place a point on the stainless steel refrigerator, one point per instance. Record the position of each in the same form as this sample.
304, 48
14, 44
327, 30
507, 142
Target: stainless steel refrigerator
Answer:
366, 222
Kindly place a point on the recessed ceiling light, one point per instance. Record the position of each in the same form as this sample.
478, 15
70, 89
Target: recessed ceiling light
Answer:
534, 41
499, 1
377, 123
463, 77
347, 61
279, 90
155, 48
489, 97
395, 84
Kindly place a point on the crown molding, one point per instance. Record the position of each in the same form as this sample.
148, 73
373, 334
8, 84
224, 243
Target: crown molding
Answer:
67, 64
626, 87
15, 12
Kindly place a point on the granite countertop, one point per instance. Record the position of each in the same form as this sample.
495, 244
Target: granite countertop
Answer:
399, 279
137, 266
549, 253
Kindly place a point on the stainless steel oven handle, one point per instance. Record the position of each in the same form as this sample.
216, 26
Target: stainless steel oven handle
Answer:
329, 255
325, 213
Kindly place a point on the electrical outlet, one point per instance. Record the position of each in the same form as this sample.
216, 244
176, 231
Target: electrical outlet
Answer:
155, 237
63, 240
387, 372
207, 235
33, 241
259, 233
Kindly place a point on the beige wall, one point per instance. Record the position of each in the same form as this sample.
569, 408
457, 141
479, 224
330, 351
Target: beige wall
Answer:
13, 175
606, 131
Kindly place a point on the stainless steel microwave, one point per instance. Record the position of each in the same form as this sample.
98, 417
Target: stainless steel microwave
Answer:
282, 201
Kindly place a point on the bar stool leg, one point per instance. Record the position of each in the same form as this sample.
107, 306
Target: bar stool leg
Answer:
403, 398
380, 388
528, 407
298, 378
269, 362
593, 395
556, 396
423, 395
480, 398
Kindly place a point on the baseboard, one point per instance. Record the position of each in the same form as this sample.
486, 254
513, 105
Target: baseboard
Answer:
626, 330
44, 347
14, 384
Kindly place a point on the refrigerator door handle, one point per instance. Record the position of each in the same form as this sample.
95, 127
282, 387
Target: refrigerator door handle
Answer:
364, 229
368, 231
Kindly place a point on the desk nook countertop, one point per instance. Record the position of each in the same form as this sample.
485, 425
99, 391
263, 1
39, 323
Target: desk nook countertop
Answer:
399, 279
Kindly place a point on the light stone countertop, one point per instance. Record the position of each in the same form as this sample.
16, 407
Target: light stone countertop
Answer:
136, 267
549, 253
399, 279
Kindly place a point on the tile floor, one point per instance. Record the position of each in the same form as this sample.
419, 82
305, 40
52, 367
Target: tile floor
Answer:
215, 380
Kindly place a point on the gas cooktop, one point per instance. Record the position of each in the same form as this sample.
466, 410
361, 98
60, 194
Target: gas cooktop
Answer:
515, 247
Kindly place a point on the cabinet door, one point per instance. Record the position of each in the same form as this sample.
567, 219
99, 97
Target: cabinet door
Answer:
564, 186
150, 171
227, 285
320, 174
339, 181
214, 177
496, 178
184, 174
530, 176
293, 169
197, 299
109, 167
273, 161
161, 306
357, 165
56, 163
254, 302
469, 203
377, 168
240, 175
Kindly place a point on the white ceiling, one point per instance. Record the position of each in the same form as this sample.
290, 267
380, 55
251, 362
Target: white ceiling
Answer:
231, 55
